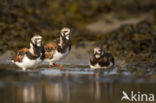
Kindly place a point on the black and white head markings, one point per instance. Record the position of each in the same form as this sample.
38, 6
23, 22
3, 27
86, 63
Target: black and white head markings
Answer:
101, 59
65, 33
36, 41
59, 48
36, 48
98, 52
30, 57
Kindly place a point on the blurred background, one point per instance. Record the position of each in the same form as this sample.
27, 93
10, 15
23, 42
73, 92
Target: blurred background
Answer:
127, 28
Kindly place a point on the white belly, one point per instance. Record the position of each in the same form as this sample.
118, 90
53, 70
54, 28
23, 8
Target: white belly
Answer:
97, 66
28, 63
58, 56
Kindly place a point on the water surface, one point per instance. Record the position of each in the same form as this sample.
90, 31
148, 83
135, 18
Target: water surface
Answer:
73, 84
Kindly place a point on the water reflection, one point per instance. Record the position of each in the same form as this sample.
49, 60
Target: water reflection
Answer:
31, 94
68, 88
100, 89
56, 92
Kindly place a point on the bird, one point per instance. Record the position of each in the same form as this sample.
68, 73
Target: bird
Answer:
101, 59
30, 57
58, 49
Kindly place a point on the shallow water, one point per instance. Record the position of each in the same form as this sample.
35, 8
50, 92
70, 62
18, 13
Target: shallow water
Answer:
73, 84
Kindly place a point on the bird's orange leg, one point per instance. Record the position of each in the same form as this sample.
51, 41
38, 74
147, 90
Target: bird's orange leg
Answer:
49, 66
57, 65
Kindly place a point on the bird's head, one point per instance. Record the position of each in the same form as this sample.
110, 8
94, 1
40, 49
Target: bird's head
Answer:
65, 32
98, 52
36, 41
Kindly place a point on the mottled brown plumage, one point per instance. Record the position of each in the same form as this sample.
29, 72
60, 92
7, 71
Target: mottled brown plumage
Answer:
30, 58
20, 55
50, 49
50, 46
101, 59
59, 48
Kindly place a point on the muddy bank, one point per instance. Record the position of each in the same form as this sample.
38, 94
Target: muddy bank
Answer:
130, 26
133, 44
21, 19
112, 21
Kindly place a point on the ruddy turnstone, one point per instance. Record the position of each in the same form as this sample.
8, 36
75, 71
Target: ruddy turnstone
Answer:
30, 58
101, 59
58, 49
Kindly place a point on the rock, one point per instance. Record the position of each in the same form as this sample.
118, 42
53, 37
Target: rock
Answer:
7, 55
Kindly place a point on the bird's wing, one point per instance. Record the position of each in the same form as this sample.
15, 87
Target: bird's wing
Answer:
103, 60
92, 61
50, 46
50, 49
20, 55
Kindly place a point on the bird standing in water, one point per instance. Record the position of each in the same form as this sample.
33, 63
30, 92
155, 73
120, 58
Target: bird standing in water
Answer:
58, 49
32, 57
101, 59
